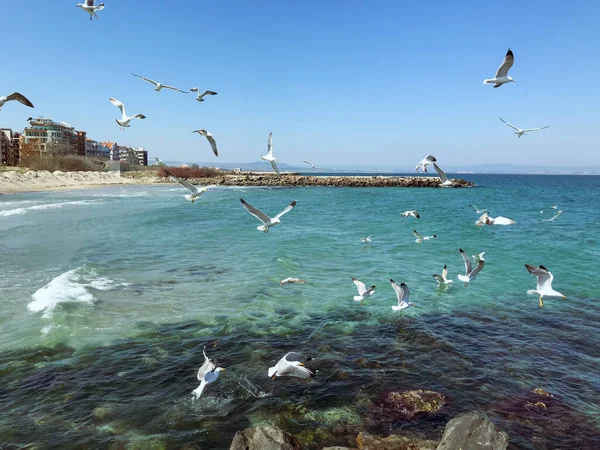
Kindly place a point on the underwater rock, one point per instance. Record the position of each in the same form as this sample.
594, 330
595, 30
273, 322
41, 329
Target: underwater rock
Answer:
366, 441
264, 438
472, 431
395, 406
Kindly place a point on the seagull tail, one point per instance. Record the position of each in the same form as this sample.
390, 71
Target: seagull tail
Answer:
261, 228
198, 391
358, 298
396, 308
486, 81
188, 197
531, 291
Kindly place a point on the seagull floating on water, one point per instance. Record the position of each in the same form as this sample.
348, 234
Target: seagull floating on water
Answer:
502, 72
413, 213
520, 132
363, 292
443, 278
200, 97
366, 240
485, 219
158, 86
125, 119
403, 295
292, 280
15, 96
479, 211
207, 374
291, 365
89, 8
428, 160
420, 238
470, 273
312, 165
445, 182
211, 140
269, 156
266, 220
195, 191
544, 283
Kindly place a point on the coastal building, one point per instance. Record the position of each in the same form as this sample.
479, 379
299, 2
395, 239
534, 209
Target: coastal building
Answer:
95, 149
9, 147
46, 137
134, 156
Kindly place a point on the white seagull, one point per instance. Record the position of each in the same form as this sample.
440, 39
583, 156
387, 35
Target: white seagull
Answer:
485, 219
15, 96
269, 156
211, 140
89, 8
403, 295
479, 211
428, 160
366, 240
443, 278
158, 86
363, 292
125, 119
195, 191
413, 213
420, 238
207, 374
544, 283
502, 72
443, 178
291, 365
312, 165
552, 219
470, 273
200, 97
266, 220
292, 280
520, 132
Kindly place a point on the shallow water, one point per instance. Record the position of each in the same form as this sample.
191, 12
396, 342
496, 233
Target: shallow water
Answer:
108, 295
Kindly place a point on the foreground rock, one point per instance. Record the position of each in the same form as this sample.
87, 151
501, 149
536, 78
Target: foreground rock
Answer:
472, 431
398, 406
366, 441
264, 438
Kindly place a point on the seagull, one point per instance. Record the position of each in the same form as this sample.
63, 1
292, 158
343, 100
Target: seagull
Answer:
291, 365
312, 165
211, 139
89, 8
502, 72
366, 240
266, 220
443, 278
485, 219
269, 156
207, 374
292, 280
158, 86
478, 257
207, 366
363, 292
557, 214
159, 162
544, 283
443, 178
425, 162
125, 119
18, 97
200, 97
470, 273
413, 213
195, 191
479, 211
403, 295
420, 238
520, 132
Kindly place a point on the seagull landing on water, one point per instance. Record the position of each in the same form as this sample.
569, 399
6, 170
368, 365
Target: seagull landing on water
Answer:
200, 97
291, 365
18, 97
125, 119
520, 132
479, 211
420, 238
291, 280
158, 86
470, 273
428, 160
211, 140
269, 156
502, 72
89, 8
195, 191
366, 240
266, 220
363, 292
413, 213
444, 181
312, 165
403, 295
443, 278
207, 374
544, 283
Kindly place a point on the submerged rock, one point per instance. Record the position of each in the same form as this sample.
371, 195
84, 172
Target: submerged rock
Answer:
472, 431
366, 441
395, 406
264, 438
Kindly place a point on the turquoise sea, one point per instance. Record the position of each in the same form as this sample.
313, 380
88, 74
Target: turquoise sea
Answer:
108, 295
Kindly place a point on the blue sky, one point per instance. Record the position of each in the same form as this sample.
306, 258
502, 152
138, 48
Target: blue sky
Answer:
337, 82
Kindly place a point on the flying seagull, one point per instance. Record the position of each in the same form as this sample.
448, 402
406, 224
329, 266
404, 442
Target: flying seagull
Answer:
443, 278
479, 211
292, 280
200, 97
207, 374
425, 162
211, 139
158, 86
520, 132
413, 213
18, 97
266, 220
195, 191
554, 217
363, 292
502, 72
366, 240
89, 8
420, 238
470, 273
403, 295
443, 178
544, 283
312, 165
269, 156
291, 365
125, 119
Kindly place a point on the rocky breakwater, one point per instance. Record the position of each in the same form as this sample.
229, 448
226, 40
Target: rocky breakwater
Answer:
31, 180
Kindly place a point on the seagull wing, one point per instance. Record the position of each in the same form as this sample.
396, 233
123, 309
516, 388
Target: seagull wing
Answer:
402, 292
208, 93
417, 234
138, 116
544, 277
186, 184
536, 129
441, 173
208, 365
274, 166
477, 269
213, 144
174, 89
146, 79
119, 105
468, 267
20, 98
509, 59
294, 370
445, 272
255, 212
292, 356
286, 210
89, 2
430, 159
360, 286
416, 214
270, 145
439, 278
512, 126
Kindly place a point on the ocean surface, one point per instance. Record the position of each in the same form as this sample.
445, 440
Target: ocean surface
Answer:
108, 295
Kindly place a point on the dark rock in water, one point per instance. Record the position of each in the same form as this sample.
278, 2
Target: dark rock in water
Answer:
366, 441
264, 438
396, 406
472, 431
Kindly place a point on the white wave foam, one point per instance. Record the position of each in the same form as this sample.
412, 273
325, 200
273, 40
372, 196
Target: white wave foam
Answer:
18, 211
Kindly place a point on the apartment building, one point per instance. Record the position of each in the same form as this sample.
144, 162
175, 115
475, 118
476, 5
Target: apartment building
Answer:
9, 147
46, 137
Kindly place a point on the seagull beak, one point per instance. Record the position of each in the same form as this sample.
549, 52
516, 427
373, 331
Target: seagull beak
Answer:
274, 376
301, 364
564, 296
